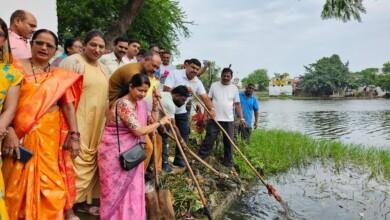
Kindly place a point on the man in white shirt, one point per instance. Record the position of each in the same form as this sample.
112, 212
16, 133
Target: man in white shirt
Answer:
225, 98
187, 77
132, 51
165, 68
114, 59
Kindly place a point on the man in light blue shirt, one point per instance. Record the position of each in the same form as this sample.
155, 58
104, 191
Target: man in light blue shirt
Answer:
250, 107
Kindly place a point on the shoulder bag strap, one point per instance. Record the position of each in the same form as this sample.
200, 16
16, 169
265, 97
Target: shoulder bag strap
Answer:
117, 127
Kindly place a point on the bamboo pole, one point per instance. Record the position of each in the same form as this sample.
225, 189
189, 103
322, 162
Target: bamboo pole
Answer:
271, 189
200, 191
222, 175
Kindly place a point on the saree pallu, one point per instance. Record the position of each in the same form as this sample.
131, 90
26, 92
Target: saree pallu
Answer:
44, 186
122, 192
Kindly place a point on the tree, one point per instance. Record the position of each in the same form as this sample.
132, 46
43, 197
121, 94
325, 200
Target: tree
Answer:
384, 79
366, 77
327, 76
343, 9
211, 75
154, 21
259, 78
386, 67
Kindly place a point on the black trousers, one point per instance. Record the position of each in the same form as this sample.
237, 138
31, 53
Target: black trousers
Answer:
212, 131
181, 121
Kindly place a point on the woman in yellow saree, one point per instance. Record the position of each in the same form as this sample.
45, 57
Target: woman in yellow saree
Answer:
10, 79
43, 187
90, 118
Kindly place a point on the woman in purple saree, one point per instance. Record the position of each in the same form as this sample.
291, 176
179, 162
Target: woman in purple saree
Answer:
123, 192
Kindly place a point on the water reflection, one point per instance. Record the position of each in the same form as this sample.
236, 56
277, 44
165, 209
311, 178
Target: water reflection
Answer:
365, 122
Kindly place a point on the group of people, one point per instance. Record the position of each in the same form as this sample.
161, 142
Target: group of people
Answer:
65, 114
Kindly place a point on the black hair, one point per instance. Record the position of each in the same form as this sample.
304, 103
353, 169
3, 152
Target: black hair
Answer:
40, 31
139, 79
227, 70
186, 61
166, 52
250, 84
3, 26
133, 40
194, 61
181, 90
21, 14
91, 34
120, 39
69, 43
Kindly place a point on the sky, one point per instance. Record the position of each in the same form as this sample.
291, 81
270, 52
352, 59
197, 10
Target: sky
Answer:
283, 35
44, 11
278, 35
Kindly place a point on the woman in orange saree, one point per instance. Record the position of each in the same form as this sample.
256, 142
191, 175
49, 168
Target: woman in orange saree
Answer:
43, 187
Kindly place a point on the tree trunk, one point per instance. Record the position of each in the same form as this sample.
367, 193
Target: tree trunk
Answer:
126, 17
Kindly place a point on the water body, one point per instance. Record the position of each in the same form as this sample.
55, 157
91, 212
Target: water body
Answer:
320, 191
364, 122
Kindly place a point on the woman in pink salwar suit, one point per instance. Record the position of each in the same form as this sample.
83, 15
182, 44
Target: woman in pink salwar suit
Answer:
122, 191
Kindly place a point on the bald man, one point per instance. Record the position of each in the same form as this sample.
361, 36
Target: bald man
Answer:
119, 80
22, 26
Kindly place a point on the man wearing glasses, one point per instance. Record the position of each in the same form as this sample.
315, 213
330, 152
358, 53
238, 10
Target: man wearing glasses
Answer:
22, 26
249, 106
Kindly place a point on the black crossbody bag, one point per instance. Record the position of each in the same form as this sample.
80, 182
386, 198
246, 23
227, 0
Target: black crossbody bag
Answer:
133, 156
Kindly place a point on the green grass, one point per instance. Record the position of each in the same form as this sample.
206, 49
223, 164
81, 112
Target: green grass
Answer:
274, 151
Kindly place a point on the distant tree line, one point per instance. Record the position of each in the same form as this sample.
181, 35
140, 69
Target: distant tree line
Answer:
329, 75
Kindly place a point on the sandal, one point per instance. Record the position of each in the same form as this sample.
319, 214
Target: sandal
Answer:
88, 209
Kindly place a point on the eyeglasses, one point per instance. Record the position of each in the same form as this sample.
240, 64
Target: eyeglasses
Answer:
48, 45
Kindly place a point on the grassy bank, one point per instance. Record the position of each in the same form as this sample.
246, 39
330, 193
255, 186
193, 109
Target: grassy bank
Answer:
271, 152
276, 151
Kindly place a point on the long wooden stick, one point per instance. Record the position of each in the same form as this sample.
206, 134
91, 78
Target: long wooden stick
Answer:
156, 180
271, 189
223, 175
200, 191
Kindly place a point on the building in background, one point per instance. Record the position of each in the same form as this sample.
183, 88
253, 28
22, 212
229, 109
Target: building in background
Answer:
280, 84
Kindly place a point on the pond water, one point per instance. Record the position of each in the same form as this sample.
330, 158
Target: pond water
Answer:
365, 122
318, 192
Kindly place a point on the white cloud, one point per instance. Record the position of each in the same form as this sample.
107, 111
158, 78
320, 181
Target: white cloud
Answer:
283, 36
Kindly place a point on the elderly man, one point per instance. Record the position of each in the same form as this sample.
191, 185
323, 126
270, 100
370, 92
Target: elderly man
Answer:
225, 98
115, 59
22, 26
187, 77
119, 80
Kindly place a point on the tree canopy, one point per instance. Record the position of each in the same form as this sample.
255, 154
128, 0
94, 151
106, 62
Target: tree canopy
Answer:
327, 76
343, 9
259, 78
160, 22
384, 79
